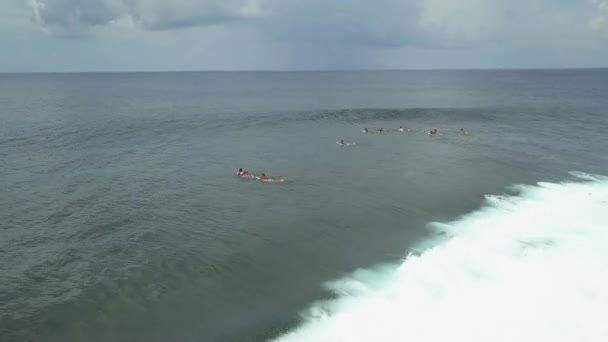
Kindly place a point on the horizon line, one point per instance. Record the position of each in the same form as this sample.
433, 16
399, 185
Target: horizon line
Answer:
298, 70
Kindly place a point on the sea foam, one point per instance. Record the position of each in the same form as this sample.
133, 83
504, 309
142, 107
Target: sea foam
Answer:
532, 266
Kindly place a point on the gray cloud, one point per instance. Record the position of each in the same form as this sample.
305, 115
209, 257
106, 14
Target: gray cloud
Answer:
390, 23
72, 17
384, 24
381, 24
167, 15
67, 17
308, 34
183, 22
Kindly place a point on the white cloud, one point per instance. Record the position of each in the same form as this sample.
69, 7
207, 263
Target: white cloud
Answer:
600, 21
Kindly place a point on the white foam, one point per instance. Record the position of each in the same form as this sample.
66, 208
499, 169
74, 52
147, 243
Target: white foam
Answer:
531, 267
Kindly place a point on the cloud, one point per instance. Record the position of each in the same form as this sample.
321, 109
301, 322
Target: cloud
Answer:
465, 20
600, 21
166, 15
385, 23
75, 17
308, 34
379, 24
71, 18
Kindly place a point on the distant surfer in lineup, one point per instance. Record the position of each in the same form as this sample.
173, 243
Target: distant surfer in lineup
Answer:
365, 130
463, 132
434, 131
381, 130
401, 129
265, 179
342, 143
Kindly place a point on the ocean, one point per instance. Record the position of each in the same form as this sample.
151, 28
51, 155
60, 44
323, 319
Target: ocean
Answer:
122, 218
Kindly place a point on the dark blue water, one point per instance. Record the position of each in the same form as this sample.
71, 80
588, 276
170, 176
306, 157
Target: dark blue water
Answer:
121, 218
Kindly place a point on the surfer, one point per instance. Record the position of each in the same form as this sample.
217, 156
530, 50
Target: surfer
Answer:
401, 129
365, 130
245, 174
265, 179
342, 143
434, 131
463, 132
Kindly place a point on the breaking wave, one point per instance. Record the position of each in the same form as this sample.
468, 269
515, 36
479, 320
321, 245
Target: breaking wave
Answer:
525, 267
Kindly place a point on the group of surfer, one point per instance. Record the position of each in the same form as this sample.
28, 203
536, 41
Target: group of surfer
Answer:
433, 131
381, 130
262, 178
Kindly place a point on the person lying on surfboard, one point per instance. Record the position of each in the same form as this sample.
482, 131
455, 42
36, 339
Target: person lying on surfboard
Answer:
245, 174
265, 179
342, 143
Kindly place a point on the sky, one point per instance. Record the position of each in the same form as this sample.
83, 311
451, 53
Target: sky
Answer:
159, 35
